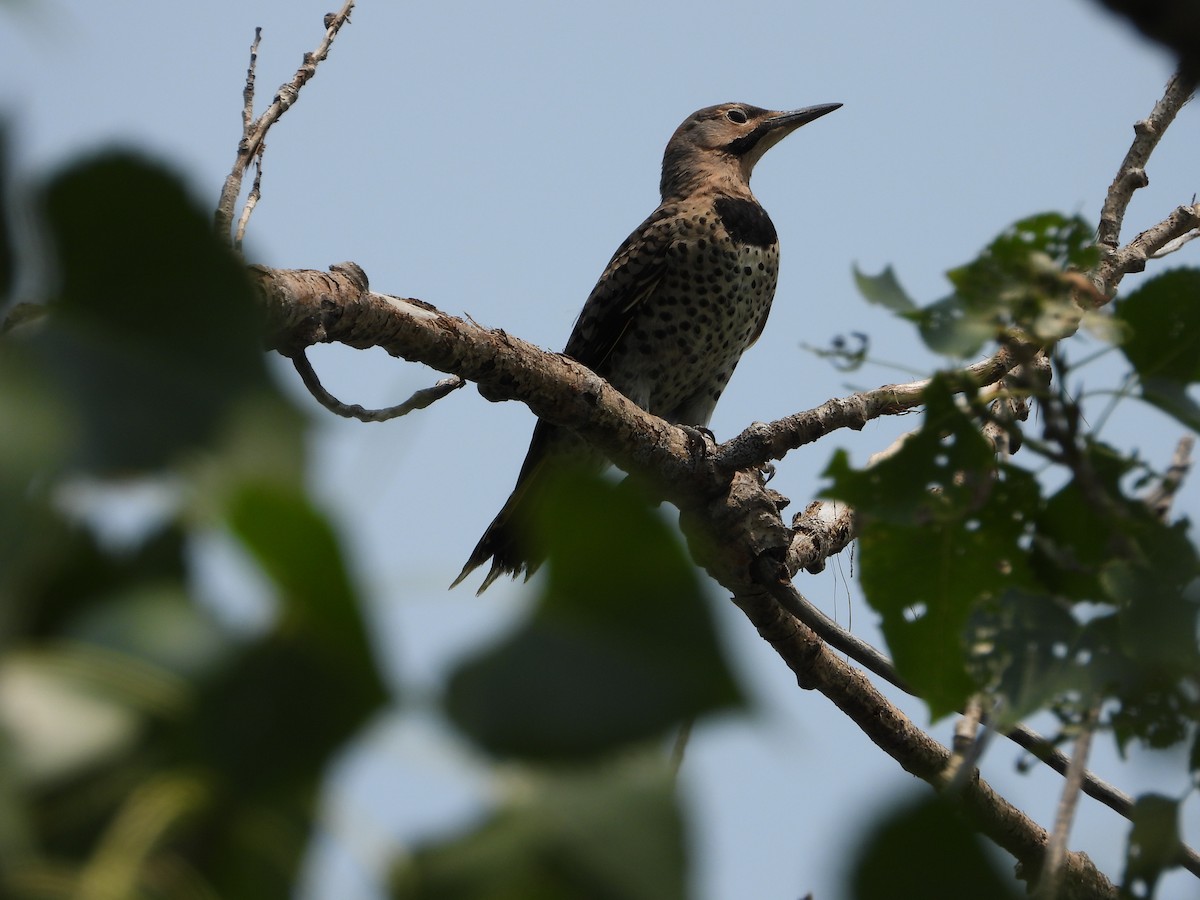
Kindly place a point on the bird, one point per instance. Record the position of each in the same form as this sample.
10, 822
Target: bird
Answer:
679, 302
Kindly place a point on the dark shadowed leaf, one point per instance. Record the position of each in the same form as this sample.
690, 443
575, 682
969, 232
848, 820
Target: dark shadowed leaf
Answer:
601, 833
1164, 327
1172, 397
297, 547
620, 647
1025, 648
942, 529
926, 849
155, 331
1154, 844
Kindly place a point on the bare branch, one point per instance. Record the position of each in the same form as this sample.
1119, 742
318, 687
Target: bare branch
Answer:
967, 745
1162, 496
1174, 245
816, 668
1148, 245
1131, 174
1052, 875
254, 131
251, 200
421, 399
306, 307
763, 442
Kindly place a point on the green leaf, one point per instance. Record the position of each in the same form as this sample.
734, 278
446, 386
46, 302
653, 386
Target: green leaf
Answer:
1154, 844
155, 331
1172, 398
926, 849
952, 328
1025, 648
314, 675
620, 647
1016, 280
298, 549
884, 290
595, 833
1164, 323
942, 529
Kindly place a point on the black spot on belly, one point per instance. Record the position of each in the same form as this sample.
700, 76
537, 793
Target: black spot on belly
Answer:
746, 221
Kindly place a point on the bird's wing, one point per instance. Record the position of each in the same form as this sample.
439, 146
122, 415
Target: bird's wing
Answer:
631, 276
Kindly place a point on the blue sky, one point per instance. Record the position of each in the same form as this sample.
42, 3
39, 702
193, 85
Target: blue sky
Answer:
488, 158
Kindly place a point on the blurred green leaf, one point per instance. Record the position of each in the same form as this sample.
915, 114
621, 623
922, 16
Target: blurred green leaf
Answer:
298, 549
942, 528
71, 574
1154, 844
884, 290
1025, 648
155, 331
952, 328
1172, 397
315, 674
926, 849
1164, 324
595, 833
8, 261
620, 647
1016, 280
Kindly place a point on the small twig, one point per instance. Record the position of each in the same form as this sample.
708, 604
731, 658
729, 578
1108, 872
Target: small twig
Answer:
248, 90
251, 200
421, 399
1174, 245
254, 131
763, 442
1160, 498
1051, 876
967, 746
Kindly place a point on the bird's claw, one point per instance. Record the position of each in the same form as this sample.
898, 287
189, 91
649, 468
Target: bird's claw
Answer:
699, 438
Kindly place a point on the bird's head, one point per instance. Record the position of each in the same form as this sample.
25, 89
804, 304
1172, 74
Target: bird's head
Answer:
726, 141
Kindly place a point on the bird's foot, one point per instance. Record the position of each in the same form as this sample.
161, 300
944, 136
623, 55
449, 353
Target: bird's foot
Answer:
699, 439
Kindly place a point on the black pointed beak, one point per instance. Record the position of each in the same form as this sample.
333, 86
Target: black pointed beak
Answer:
798, 117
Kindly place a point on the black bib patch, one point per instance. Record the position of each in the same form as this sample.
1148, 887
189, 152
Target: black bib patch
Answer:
746, 221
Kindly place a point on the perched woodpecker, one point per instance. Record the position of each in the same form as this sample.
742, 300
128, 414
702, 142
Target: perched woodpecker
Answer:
679, 302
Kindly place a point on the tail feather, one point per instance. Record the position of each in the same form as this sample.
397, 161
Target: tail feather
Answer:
503, 542
500, 544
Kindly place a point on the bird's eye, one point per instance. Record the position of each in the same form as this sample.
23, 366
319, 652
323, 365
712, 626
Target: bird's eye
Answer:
737, 116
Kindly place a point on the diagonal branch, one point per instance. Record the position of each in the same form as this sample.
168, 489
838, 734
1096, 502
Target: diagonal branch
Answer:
737, 515
763, 442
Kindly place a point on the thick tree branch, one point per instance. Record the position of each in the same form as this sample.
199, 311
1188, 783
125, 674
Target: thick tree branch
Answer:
306, 307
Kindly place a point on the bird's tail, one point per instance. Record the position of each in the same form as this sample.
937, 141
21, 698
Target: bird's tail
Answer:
505, 542
502, 545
